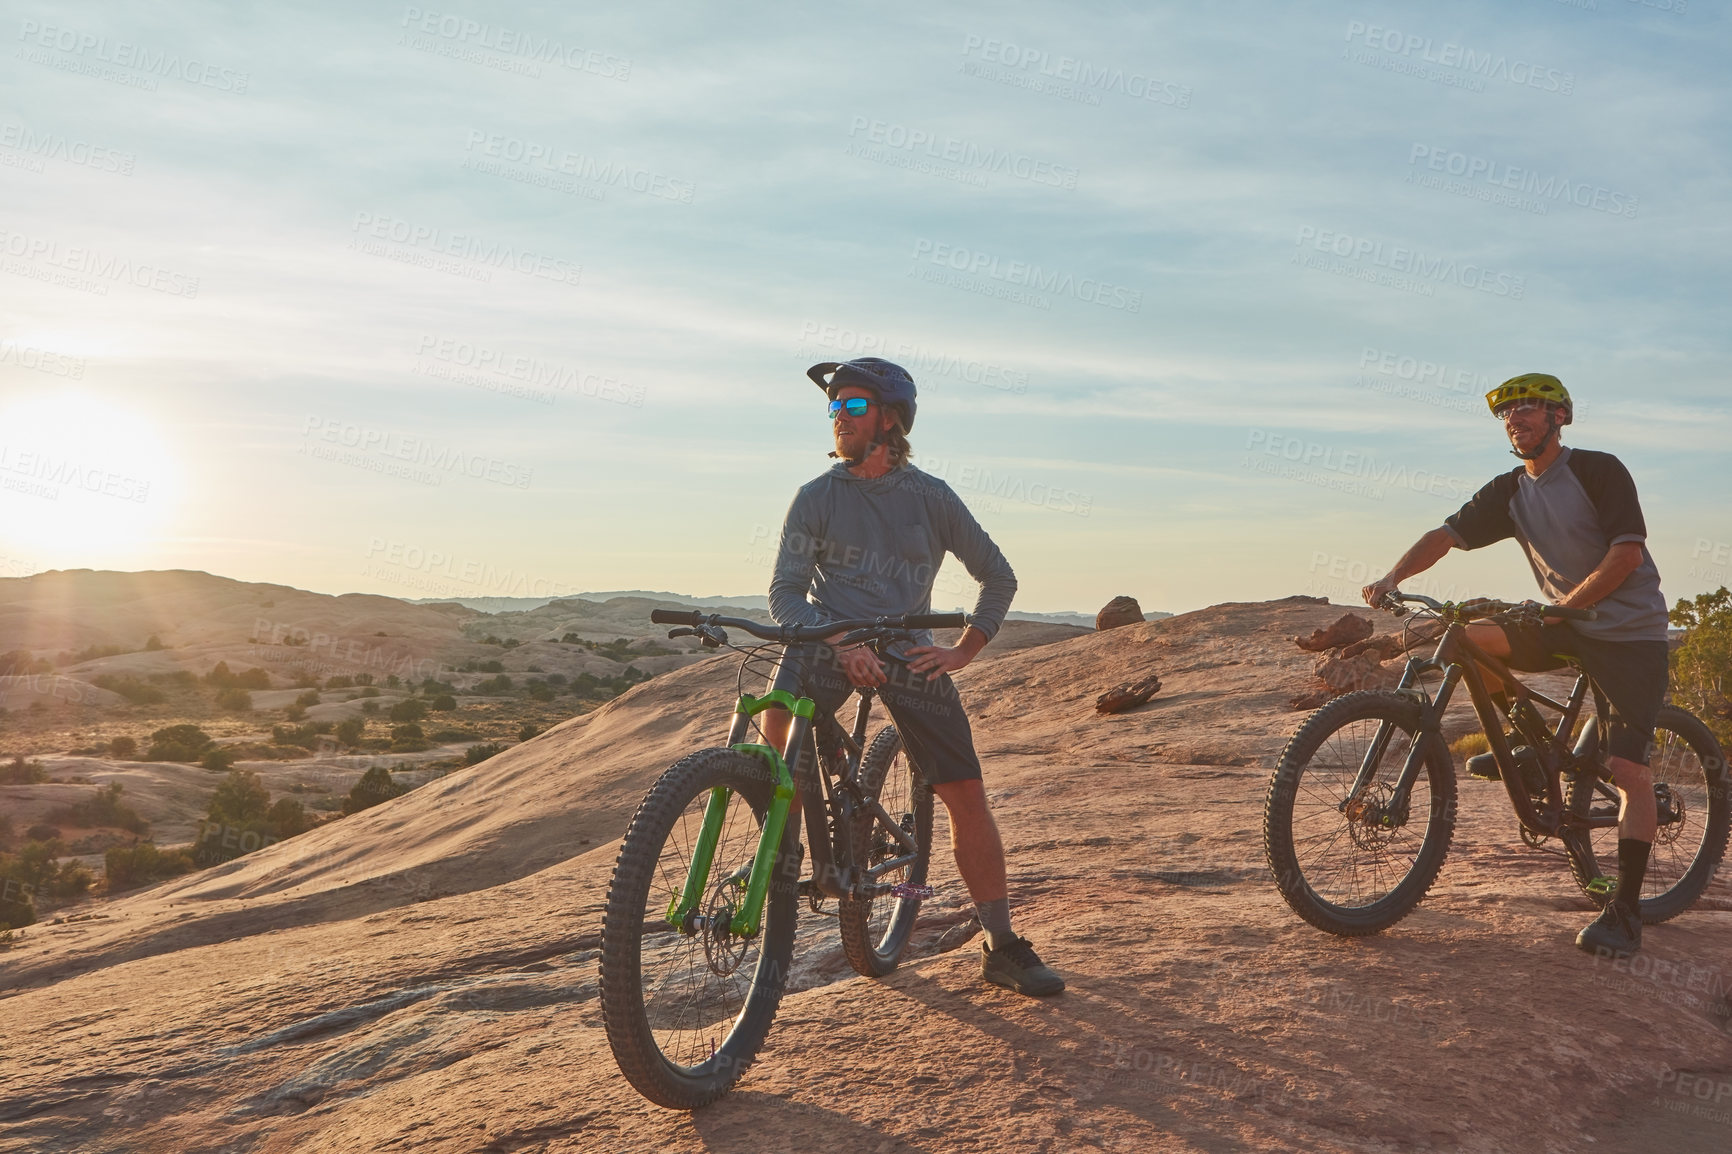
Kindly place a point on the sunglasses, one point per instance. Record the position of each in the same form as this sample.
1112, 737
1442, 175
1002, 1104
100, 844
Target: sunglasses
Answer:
1515, 408
853, 406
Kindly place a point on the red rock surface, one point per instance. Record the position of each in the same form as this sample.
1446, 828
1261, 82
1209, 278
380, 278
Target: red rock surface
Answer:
422, 976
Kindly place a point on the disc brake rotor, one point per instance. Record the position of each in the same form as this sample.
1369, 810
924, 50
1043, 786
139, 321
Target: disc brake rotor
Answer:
723, 951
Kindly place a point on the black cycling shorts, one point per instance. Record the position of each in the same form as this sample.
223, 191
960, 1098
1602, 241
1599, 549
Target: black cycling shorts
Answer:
928, 712
1633, 674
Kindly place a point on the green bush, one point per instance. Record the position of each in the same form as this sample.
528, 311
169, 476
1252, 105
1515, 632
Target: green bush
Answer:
409, 709
123, 748
374, 788
444, 703
295, 712
218, 760
307, 699
369, 691
152, 643
22, 663
129, 687
476, 754
408, 738
104, 808
349, 731
130, 866
540, 691
235, 698
556, 679
22, 772
178, 743
528, 730
1702, 664
363, 679
369, 707
493, 685
339, 683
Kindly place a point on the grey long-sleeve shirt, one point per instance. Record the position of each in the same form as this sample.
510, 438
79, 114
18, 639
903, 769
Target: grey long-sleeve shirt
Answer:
853, 547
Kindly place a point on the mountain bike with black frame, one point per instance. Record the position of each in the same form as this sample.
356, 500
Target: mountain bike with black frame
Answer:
698, 928
1361, 807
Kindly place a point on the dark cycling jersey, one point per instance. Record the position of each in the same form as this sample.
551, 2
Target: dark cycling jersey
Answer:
1566, 519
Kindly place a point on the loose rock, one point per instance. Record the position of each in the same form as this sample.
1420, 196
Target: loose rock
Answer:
1345, 631
1119, 611
1128, 696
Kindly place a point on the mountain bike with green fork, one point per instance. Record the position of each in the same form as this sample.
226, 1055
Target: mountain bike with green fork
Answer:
1361, 807
698, 929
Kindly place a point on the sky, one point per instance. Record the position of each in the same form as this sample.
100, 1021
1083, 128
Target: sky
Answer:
516, 299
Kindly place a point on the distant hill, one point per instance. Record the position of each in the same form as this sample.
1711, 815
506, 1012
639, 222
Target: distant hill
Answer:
526, 604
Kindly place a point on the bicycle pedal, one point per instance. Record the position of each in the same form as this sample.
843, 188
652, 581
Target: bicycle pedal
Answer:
918, 893
1603, 886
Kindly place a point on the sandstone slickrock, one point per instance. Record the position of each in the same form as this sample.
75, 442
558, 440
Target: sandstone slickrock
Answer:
1128, 695
1118, 612
1350, 628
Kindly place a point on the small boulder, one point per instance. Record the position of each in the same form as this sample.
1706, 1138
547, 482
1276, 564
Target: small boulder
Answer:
1128, 696
1344, 632
1346, 674
1119, 611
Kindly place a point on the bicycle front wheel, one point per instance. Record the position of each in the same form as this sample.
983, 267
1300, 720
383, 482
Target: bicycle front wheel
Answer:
1691, 784
875, 930
1355, 869
686, 1008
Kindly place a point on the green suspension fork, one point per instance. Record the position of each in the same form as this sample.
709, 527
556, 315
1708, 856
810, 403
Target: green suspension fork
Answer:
746, 920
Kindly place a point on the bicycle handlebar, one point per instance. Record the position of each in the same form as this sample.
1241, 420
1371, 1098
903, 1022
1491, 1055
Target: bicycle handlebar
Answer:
1487, 607
791, 634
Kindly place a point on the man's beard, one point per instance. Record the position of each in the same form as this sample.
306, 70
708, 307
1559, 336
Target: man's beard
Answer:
855, 448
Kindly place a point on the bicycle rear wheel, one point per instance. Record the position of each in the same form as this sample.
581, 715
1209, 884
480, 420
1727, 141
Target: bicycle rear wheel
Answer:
1353, 871
687, 1009
1690, 768
875, 930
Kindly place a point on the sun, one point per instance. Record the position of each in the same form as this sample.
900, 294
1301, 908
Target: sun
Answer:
81, 477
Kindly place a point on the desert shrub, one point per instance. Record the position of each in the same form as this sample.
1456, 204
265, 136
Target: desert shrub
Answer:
374, 787
409, 709
21, 772
363, 679
21, 662
476, 754
288, 817
295, 712
510, 643
556, 679
240, 799
369, 707
444, 703
528, 730
17, 900
130, 866
242, 819
1702, 664
408, 738
129, 687
123, 748
309, 698
306, 736
103, 808
1469, 745
430, 687
152, 643
42, 831
541, 691
349, 731
493, 685
218, 760
177, 679
221, 678
392, 681
571, 639
90, 653
369, 691
456, 733
339, 682
178, 743
236, 699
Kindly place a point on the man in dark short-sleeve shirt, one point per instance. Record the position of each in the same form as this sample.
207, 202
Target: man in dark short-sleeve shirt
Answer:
1575, 514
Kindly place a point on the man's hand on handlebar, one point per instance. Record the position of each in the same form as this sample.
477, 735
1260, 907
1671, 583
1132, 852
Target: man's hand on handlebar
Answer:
862, 667
1375, 592
937, 660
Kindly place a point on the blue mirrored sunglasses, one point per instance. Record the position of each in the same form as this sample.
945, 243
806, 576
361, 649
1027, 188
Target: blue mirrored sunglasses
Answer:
853, 406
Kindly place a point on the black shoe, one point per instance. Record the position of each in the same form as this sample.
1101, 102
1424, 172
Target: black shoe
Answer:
1484, 767
1017, 966
1616, 933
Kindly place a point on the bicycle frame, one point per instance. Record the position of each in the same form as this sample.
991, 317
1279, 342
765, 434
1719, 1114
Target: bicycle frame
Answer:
836, 879
1459, 660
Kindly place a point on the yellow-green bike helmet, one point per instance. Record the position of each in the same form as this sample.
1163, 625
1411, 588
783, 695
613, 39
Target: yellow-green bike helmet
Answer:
1532, 386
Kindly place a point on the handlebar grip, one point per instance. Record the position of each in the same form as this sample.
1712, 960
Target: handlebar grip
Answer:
675, 617
936, 621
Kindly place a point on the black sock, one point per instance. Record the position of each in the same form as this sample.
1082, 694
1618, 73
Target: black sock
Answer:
1632, 864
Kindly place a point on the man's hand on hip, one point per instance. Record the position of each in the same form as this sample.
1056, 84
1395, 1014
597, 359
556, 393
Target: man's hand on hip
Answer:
934, 660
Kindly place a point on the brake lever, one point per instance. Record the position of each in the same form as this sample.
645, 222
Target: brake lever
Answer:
682, 631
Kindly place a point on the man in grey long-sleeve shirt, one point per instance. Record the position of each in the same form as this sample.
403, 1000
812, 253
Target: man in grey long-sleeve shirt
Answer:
865, 539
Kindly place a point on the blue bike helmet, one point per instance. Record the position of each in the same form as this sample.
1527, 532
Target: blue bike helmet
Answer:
888, 381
